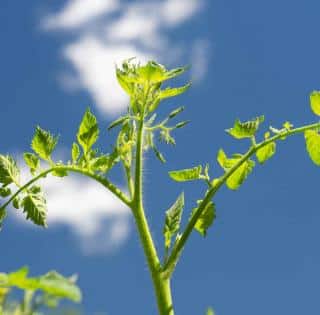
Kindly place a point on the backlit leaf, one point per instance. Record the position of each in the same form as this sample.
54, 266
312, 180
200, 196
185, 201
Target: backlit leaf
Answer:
32, 161
171, 92
246, 129
9, 171
75, 152
34, 205
186, 174
312, 138
88, 132
206, 218
173, 219
266, 152
43, 143
240, 174
315, 102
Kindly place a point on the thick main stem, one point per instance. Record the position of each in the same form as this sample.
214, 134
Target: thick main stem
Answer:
161, 284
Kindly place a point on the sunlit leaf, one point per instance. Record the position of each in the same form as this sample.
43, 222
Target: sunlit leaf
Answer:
245, 129
312, 138
88, 132
315, 102
173, 219
9, 171
171, 92
32, 161
43, 143
240, 174
188, 174
34, 205
75, 152
206, 218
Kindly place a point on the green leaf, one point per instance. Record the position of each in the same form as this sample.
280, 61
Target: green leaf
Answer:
173, 219
9, 171
210, 311
118, 122
186, 174
206, 218
43, 143
34, 205
102, 163
171, 92
5, 192
158, 154
240, 174
266, 152
3, 214
32, 161
312, 138
181, 124
175, 112
75, 152
16, 203
315, 102
246, 129
51, 283
88, 132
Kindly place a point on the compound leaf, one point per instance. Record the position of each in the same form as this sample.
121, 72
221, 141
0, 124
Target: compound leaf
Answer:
188, 174
43, 143
9, 171
88, 132
315, 102
246, 129
312, 138
173, 219
206, 218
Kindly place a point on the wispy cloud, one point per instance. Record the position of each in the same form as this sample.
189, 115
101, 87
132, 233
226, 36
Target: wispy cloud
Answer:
99, 220
106, 32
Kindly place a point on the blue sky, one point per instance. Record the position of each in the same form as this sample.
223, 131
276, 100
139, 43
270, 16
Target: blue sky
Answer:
249, 58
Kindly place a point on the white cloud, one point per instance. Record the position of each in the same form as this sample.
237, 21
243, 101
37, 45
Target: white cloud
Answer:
140, 29
96, 217
178, 11
78, 12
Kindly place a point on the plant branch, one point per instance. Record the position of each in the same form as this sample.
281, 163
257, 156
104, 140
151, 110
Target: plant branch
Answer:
105, 182
178, 248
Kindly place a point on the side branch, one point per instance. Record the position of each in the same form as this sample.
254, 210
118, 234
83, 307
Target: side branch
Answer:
178, 248
105, 182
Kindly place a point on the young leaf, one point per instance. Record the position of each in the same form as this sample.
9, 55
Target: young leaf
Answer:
118, 122
175, 112
158, 154
32, 161
171, 92
206, 218
315, 102
51, 283
9, 171
43, 143
312, 138
102, 163
239, 175
75, 153
34, 205
266, 152
88, 131
186, 174
246, 129
173, 219
210, 311
181, 124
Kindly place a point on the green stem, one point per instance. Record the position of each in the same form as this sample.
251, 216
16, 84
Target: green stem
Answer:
106, 183
178, 248
161, 284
